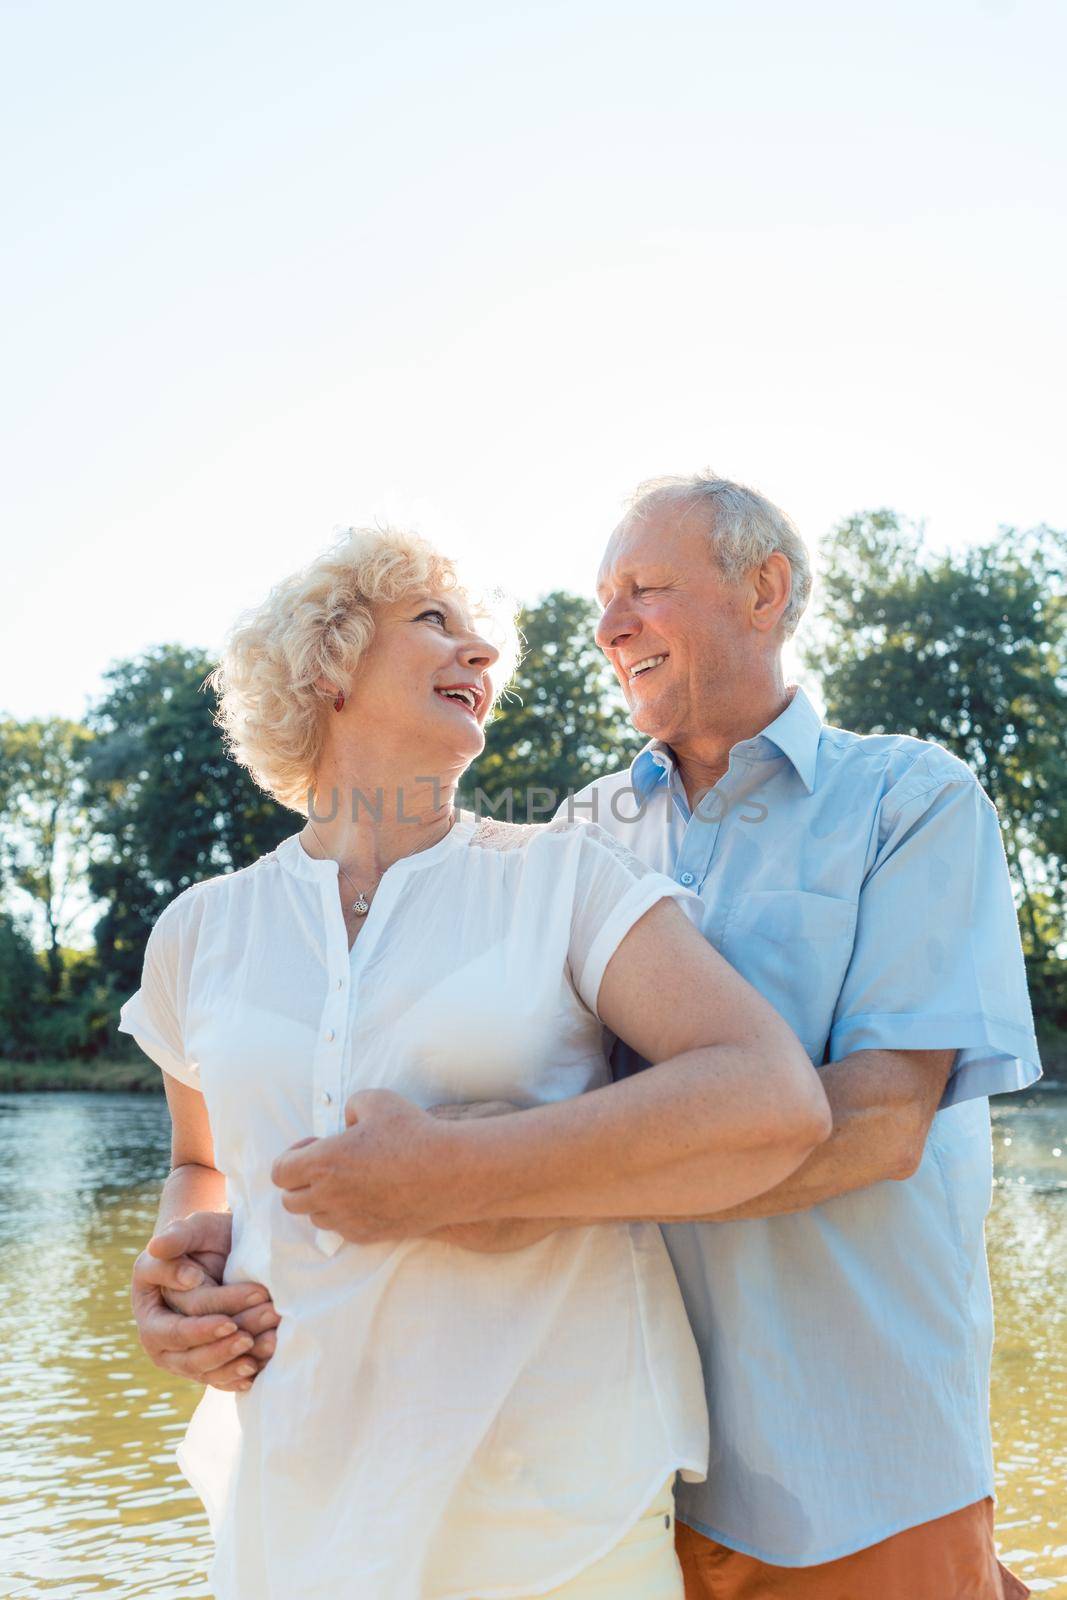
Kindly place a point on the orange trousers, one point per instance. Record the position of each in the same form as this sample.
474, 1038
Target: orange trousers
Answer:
950, 1558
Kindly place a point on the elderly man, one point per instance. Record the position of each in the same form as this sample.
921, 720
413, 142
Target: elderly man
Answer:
860, 883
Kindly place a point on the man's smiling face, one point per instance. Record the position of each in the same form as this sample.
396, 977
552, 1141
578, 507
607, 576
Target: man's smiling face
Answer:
669, 613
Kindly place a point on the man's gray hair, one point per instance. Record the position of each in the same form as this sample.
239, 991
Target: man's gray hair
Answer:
744, 529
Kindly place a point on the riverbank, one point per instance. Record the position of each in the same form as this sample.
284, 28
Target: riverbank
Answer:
138, 1075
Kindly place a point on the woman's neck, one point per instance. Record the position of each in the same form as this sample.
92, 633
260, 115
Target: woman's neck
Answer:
366, 821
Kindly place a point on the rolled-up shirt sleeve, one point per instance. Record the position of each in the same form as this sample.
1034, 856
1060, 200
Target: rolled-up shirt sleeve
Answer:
154, 1014
613, 890
937, 961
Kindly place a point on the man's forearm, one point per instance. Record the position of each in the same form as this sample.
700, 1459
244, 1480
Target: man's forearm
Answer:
849, 1161
862, 1151
882, 1102
663, 1143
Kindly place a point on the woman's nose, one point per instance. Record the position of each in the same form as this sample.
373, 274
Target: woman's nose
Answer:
478, 652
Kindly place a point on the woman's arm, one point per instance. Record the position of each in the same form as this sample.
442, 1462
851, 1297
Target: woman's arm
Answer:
732, 1107
208, 1331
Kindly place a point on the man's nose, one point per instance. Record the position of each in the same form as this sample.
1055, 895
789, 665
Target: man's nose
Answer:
614, 628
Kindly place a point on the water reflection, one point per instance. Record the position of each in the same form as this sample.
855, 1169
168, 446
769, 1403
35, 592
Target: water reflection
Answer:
1027, 1241
92, 1503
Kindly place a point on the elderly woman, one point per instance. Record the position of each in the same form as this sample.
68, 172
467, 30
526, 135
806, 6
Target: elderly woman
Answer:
439, 1422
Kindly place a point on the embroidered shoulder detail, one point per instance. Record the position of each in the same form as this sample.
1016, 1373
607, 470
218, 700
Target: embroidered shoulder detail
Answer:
493, 834
615, 847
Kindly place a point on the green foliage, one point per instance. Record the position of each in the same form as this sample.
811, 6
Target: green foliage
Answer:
38, 1021
131, 1074
969, 650
169, 807
44, 824
564, 721
22, 990
1046, 978
142, 801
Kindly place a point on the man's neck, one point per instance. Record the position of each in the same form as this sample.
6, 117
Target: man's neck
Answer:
705, 758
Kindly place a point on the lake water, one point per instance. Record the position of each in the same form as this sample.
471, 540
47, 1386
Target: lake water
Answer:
91, 1502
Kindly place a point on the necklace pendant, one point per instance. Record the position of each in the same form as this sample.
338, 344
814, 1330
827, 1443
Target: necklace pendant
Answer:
361, 906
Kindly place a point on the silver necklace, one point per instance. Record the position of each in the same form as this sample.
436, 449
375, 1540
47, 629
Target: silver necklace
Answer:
360, 905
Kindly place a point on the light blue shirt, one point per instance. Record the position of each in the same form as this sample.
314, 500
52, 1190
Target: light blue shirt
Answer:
860, 884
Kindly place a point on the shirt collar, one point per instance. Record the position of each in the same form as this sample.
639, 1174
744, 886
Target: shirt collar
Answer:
794, 733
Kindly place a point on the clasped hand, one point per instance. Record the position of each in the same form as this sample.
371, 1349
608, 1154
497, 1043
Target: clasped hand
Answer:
382, 1178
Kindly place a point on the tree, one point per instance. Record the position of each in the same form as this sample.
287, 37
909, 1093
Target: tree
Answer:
969, 650
169, 806
563, 722
45, 827
21, 991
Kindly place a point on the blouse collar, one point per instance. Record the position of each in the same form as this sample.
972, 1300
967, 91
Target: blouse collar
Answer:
313, 869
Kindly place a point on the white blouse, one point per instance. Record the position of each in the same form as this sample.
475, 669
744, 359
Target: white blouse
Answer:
435, 1424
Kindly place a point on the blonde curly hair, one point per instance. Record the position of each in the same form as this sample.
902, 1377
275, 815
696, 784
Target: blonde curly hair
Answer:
317, 624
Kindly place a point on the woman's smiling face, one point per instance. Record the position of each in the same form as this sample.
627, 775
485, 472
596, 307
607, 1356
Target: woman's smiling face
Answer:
424, 681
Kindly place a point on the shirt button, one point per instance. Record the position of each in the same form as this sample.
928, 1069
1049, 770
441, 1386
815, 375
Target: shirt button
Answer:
326, 1098
340, 983
329, 1035
686, 878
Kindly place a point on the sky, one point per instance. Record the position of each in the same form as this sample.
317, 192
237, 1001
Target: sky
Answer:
270, 270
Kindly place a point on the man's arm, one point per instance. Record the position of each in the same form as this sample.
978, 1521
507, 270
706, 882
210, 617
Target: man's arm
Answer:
731, 1108
882, 1102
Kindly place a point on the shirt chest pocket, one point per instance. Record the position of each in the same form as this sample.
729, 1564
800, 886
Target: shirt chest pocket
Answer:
794, 946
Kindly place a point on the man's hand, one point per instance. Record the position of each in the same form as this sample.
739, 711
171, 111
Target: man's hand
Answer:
387, 1176
390, 1175
190, 1322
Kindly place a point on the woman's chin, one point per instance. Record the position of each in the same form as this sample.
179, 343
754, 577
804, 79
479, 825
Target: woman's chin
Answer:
452, 746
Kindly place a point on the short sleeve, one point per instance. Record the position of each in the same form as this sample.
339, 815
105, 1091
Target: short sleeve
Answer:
154, 1014
937, 961
612, 890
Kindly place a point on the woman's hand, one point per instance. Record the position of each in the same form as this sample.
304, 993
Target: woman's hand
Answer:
220, 1334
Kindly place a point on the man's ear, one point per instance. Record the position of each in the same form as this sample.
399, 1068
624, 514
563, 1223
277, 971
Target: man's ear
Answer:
773, 582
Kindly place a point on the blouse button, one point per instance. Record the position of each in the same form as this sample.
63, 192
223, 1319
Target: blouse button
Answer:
326, 1098
340, 983
329, 1035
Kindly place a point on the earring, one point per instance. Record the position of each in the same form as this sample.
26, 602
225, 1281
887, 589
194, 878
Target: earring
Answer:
339, 702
